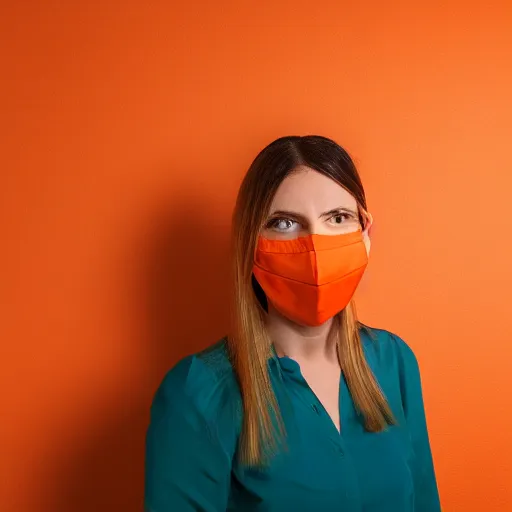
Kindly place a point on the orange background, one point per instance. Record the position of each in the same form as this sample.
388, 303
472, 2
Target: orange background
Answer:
127, 129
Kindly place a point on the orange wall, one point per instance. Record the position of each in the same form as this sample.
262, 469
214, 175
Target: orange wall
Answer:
127, 129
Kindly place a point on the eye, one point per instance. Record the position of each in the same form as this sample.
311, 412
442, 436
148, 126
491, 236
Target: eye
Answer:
340, 218
282, 225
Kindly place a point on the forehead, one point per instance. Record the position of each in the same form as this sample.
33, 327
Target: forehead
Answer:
309, 190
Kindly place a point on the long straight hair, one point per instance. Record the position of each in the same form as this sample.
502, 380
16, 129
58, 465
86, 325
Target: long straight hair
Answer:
249, 344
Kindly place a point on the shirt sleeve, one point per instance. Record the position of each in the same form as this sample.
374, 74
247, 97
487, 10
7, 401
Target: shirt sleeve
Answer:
187, 469
422, 467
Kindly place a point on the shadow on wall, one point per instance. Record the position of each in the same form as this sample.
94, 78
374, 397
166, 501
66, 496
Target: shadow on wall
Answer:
185, 310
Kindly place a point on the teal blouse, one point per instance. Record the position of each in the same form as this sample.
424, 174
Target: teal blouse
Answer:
191, 443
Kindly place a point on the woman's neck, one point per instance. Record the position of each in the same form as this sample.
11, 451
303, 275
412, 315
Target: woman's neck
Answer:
301, 343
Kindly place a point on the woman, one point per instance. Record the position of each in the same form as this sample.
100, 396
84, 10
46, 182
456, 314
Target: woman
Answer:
301, 407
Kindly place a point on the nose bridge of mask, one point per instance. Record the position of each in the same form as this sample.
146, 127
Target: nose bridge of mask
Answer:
326, 263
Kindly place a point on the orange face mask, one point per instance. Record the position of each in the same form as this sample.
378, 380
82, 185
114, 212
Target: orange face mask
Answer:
310, 279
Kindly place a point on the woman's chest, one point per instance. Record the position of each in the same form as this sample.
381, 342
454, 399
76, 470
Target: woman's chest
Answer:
369, 474
322, 470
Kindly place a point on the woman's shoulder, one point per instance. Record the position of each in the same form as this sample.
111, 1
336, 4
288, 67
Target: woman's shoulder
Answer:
203, 381
387, 347
395, 366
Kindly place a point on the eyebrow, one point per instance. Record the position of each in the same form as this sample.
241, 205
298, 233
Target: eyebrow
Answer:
340, 209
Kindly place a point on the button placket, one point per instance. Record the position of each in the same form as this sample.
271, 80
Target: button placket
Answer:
292, 368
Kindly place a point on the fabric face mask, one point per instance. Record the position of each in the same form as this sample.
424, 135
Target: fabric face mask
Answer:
310, 279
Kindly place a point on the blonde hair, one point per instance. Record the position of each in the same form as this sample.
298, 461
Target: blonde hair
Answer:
249, 344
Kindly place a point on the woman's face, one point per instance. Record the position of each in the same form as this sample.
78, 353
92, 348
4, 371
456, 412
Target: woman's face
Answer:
308, 202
